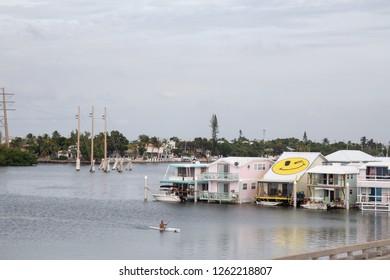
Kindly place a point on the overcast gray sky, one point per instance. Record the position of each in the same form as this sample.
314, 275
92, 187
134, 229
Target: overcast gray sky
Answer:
164, 67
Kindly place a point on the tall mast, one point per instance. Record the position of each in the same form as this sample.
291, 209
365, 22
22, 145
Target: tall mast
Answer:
78, 140
105, 141
92, 136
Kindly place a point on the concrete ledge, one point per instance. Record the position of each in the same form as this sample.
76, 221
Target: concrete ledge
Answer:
371, 250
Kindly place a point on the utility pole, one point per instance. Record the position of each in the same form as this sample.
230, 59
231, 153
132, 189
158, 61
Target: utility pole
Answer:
5, 118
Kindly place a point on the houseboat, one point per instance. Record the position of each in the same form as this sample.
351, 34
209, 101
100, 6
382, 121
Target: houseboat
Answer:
186, 179
335, 185
286, 181
373, 186
234, 179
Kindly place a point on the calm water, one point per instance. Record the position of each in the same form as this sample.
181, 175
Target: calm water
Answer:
54, 212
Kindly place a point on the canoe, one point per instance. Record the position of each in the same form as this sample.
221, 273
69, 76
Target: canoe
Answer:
166, 229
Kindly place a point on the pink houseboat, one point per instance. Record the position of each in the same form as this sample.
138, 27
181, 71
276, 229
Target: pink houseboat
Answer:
234, 179
373, 186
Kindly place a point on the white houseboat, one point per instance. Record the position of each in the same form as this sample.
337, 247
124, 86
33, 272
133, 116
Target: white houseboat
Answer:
186, 179
334, 184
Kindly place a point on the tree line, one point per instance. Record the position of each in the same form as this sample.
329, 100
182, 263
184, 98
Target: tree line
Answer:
26, 150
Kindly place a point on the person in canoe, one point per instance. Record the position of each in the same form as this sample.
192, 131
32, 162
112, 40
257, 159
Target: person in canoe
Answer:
162, 225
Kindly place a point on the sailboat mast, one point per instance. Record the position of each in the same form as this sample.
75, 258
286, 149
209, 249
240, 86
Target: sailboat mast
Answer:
106, 163
78, 140
105, 140
92, 136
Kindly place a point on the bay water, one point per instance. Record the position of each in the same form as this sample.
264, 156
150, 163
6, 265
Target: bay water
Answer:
53, 212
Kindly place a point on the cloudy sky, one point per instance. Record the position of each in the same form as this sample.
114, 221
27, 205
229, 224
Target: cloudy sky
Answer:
164, 67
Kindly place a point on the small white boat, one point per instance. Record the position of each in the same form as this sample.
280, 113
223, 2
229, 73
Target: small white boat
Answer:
315, 203
167, 195
177, 230
268, 203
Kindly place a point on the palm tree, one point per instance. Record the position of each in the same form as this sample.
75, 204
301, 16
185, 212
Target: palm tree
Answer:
214, 132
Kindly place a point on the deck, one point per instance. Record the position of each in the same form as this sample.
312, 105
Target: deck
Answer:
374, 206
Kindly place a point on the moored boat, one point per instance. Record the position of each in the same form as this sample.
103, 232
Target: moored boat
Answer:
268, 203
167, 194
315, 203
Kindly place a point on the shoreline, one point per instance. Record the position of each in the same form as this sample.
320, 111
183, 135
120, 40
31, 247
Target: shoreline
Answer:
84, 162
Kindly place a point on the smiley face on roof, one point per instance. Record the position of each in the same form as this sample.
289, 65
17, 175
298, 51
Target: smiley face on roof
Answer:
290, 166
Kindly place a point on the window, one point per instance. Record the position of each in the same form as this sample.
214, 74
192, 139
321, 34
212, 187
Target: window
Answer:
245, 186
259, 166
253, 187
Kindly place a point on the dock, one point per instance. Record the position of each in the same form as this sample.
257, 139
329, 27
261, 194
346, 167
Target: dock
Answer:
375, 250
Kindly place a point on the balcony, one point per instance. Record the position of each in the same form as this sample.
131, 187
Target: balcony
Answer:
220, 176
380, 178
317, 182
218, 197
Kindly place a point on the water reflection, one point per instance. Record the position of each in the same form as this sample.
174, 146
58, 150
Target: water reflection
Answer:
53, 212
372, 226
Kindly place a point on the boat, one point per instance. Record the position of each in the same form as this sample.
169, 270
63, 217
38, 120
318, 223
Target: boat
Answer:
315, 203
268, 203
167, 194
177, 230
186, 179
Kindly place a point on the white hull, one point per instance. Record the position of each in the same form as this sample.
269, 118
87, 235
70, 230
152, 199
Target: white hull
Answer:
268, 203
315, 206
166, 229
166, 197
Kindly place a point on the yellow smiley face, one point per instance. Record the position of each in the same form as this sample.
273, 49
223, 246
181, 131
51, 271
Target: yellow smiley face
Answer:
290, 166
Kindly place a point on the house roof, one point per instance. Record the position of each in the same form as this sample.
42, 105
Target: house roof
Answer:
384, 163
382, 159
189, 165
333, 169
239, 161
346, 156
290, 166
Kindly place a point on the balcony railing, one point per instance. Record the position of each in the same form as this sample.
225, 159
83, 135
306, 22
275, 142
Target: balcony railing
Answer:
210, 176
326, 182
215, 196
375, 178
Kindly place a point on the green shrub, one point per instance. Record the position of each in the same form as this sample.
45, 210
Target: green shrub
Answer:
16, 157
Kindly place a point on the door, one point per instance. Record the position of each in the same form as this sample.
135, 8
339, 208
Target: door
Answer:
223, 168
222, 188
